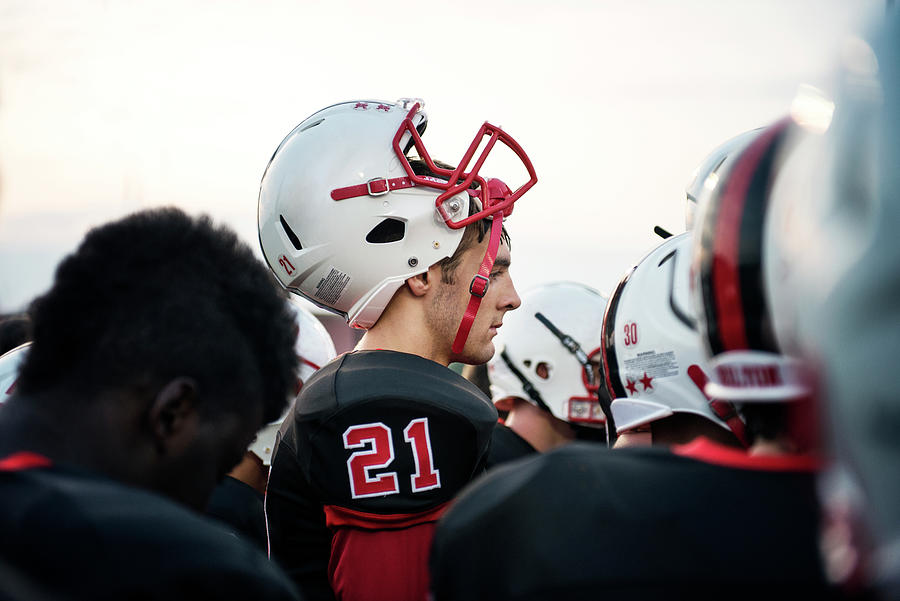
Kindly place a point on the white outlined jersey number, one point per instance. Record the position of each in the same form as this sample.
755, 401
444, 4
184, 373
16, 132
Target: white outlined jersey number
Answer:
378, 452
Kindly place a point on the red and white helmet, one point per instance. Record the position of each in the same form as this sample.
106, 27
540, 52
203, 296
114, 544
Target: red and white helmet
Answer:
9, 369
833, 256
344, 220
314, 348
706, 175
652, 356
730, 295
545, 350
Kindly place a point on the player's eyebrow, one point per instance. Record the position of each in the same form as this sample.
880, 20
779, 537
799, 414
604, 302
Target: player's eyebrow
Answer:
502, 262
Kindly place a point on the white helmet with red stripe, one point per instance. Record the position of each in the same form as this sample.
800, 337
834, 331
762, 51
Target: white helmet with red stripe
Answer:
345, 219
314, 348
652, 356
706, 175
9, 369
833, 258
545, 351
730, 295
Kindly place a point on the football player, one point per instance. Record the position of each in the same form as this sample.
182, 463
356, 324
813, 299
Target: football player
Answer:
832, 260
356, 216
149, 372
654, 361
700, 520
545, 375
238, 499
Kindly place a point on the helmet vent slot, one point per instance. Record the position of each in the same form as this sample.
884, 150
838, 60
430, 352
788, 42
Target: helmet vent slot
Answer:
290, 233
311, 125
389, 230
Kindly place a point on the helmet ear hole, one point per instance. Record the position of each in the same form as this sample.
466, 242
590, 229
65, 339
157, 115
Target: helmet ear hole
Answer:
543, 370
389, 230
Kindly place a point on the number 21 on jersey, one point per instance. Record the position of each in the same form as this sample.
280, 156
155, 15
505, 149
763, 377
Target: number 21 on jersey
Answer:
377, 452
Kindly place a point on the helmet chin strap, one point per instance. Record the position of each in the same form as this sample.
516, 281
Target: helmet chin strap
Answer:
479, 286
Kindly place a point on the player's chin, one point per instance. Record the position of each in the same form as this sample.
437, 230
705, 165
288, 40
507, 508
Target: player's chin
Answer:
476, 354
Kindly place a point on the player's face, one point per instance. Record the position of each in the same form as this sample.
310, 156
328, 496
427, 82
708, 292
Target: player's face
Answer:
450, 301
217, 443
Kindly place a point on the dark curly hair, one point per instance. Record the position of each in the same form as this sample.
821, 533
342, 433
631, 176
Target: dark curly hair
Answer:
158, 295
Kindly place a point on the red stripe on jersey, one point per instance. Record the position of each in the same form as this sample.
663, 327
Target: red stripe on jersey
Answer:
703, 449
342, 516
381, 565
23, 461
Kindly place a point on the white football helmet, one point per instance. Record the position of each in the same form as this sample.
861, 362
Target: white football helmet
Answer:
834, 254
9, 369
314, 349
545, 349
343, 218
706, 175
729, 292
653, 358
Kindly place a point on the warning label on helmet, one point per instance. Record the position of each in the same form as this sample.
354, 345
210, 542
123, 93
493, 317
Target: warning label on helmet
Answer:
330, 288
655, 365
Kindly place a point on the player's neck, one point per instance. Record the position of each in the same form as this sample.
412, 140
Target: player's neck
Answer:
537, 429
50, 433
395, 331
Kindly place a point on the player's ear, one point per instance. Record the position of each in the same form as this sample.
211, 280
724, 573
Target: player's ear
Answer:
504, 404
420, 284
173, 414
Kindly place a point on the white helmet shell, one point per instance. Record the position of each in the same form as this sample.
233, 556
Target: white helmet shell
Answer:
539, 355
833, 251
652, 357
731, 297
350, 255
706, 175
314, 349
9, 369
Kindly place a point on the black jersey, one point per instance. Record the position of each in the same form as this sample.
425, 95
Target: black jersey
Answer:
70, 534
507, 445
581, 522
239, 507
376, 446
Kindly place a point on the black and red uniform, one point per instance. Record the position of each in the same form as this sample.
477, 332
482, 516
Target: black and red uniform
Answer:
701, 521
376, 446
240, 508
506, 446
68, 534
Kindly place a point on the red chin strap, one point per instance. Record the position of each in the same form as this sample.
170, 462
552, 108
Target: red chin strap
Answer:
479, 286
497, 192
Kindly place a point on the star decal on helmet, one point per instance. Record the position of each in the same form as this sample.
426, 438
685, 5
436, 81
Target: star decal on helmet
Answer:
646, 381
631, 386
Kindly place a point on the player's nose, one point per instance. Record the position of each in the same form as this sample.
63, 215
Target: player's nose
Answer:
510, 299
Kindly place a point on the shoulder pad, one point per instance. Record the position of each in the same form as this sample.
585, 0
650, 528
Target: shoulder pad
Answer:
387, 432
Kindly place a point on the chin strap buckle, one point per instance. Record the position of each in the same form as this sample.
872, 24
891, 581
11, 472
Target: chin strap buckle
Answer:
483, 284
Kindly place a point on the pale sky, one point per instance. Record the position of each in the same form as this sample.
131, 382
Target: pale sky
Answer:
111, 106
